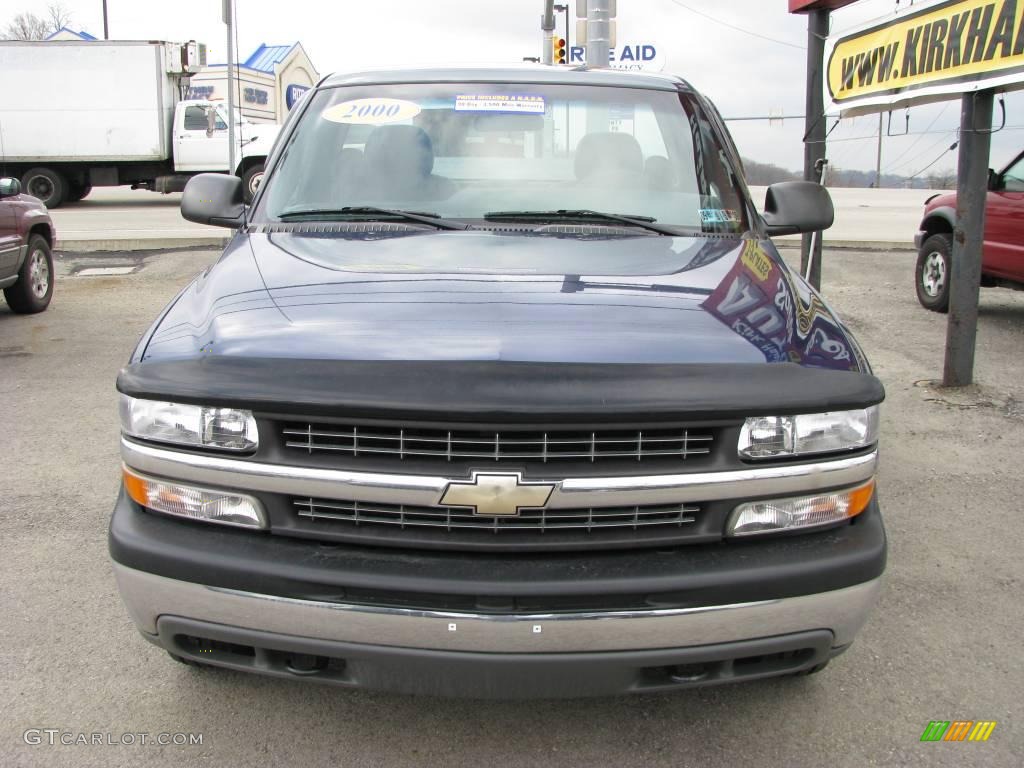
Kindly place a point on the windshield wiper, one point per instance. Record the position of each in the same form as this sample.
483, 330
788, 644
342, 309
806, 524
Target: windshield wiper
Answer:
364, 211
645, 222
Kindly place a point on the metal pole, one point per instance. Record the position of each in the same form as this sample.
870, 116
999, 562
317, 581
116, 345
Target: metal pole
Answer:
968, 236
547, 25
106, 29
814, 120
878, 159
599, 32
229, 19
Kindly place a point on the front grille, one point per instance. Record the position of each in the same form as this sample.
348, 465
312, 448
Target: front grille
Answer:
582, 521
446, 445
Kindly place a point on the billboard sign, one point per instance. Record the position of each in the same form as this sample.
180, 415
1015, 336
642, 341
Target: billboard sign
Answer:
642, 56
930, 51
293, 93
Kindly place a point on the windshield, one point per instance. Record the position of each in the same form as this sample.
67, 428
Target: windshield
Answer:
463, 151
222, 117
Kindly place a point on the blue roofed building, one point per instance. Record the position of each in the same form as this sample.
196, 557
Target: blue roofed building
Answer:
69, 34
270, 81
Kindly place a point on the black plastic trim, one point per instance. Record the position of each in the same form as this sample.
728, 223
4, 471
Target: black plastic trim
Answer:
491, 675
693, 575
501, 390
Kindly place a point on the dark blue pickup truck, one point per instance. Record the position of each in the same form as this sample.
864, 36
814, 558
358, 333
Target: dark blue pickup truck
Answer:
501, 389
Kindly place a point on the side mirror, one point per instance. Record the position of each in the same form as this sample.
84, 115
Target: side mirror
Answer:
215, 199
993, 179
791, 207
9, 187
211, 122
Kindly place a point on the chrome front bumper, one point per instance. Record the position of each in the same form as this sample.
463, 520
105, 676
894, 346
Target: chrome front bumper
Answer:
841, 612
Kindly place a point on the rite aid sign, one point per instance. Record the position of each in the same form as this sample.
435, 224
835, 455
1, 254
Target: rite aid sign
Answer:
635, 56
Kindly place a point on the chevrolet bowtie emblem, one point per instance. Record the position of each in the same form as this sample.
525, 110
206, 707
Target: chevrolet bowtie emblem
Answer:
497, 494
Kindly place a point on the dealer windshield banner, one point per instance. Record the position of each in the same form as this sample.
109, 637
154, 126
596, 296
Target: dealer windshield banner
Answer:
927, 52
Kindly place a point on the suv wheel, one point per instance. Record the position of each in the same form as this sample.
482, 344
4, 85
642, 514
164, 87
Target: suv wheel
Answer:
933, 272
34, 288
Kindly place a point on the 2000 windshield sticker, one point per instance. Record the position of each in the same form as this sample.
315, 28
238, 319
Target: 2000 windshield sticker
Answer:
759, 302
372, 111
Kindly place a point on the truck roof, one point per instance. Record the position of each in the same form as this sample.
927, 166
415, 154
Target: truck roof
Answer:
520, 73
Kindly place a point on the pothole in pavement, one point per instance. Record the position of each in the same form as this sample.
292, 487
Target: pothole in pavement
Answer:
103, 271
975, 396
109, 265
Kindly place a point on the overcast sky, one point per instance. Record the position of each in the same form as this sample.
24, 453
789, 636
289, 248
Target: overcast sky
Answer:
744, 74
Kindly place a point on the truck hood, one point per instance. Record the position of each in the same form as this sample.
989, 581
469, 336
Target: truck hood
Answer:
941, 200
387, 293
258, 138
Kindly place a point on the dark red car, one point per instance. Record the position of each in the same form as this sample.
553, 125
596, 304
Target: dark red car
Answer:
26, 259
1003, 256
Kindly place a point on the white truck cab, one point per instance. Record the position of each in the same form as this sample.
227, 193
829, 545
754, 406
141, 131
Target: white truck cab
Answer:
201, 141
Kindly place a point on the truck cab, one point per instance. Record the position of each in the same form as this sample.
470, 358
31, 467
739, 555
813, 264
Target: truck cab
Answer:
201, 141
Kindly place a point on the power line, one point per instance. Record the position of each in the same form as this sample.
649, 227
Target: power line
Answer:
906, 152
952, 146
738, 29
947, 135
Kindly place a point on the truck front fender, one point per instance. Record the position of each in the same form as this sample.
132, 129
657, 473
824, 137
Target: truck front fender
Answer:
942, 219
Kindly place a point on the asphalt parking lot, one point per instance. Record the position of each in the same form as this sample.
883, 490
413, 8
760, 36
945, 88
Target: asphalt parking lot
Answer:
943, 644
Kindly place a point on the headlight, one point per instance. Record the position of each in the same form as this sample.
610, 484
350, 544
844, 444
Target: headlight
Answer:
799, 512
196, 425
766, 437
193, 503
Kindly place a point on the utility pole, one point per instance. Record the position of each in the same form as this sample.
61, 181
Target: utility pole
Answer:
229, 20
814, 140
562, 8
878, 159
106, 29
968, 235
547, 25
599, 33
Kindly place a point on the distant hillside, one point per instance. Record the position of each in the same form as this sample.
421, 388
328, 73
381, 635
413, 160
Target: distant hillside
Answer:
763, 174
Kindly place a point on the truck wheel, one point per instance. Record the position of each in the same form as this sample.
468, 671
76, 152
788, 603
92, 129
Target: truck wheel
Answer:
251, 180
46, 184
933, 272
34, 288
78, 192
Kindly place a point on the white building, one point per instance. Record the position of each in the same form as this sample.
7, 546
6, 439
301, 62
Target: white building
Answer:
271, 80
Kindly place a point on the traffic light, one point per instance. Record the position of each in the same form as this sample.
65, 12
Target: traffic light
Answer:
559, 47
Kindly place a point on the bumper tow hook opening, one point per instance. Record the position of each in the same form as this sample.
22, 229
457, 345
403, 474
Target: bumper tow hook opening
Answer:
306, 664
688, 673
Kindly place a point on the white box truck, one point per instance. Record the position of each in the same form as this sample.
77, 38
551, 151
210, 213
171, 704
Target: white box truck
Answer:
74, 115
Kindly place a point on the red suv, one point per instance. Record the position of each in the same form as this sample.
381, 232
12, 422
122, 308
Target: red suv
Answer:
26, 260
1002, 261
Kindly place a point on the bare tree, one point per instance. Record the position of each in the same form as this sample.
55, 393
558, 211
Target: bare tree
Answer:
28, 26
59, 16
941, 180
